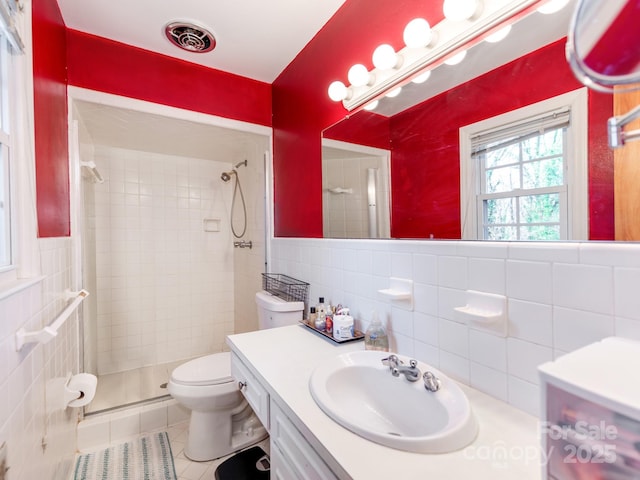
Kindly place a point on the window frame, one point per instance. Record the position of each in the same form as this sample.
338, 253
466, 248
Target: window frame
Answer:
8, 227
576, 162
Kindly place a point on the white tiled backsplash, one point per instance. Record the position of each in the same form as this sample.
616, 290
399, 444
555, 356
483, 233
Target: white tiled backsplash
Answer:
560, 297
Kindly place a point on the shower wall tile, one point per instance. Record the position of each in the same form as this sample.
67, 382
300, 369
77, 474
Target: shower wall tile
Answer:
560, 297
162, 282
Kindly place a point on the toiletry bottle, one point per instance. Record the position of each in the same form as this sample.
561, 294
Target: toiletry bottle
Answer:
321, 314
321, 308
312, 316
375, 338
328, 319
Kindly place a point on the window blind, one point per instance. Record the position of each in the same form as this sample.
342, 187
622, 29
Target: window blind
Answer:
500, 137
8, 12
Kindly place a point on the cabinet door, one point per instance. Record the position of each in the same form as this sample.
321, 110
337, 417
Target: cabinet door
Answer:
280, 469
252, 390
291, 453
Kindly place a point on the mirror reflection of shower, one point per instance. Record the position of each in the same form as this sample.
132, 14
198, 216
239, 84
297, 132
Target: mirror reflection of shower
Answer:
237, 187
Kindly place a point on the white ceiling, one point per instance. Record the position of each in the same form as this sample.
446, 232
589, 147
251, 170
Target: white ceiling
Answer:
255, 38
135, 130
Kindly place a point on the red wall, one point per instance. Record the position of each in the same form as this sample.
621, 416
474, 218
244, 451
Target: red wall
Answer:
50, 119
426, 169
100, 64
426, 166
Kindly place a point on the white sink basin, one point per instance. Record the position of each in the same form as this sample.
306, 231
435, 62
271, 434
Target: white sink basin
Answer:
359, 392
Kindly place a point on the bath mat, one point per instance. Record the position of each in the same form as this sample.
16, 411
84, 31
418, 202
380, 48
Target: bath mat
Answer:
146, 458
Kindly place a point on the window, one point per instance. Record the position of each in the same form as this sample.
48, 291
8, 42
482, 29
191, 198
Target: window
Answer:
10, 80
5, 191
524, 173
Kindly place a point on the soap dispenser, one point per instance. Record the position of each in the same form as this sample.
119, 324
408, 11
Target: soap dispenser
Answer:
375, 338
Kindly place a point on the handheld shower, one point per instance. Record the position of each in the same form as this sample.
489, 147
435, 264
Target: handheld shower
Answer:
226, 176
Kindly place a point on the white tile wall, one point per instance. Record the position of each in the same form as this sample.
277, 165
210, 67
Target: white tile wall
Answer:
26, 422
165, 287
560, 297
346, 215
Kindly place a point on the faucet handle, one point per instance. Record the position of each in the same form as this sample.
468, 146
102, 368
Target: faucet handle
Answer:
431, 382
392, 361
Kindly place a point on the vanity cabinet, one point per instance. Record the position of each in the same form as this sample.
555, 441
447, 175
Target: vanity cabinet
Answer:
252, 389
292, 457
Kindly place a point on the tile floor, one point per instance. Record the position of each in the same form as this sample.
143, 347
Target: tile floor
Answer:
131, 386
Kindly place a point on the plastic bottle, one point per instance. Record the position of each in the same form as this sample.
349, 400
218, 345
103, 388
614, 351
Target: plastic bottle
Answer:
321, 312
312, 316
375, 338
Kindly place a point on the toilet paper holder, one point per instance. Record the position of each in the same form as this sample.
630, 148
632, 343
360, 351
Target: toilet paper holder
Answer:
79, 389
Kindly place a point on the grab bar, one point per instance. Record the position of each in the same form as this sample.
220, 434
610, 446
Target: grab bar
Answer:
50, 331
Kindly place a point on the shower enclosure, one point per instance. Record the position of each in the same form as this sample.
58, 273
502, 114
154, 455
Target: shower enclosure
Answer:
157, 249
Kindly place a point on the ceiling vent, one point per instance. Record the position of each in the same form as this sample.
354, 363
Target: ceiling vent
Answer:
190, 37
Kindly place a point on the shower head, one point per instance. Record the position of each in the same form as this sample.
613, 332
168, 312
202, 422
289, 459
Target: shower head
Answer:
226, 176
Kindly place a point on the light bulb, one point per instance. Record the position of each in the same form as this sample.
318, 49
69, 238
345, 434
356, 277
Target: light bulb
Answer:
423, 77
457, 58
337, 91
371, 105
499, 35
552, 6
394, 93
459, 10
417, 33
359, 75
385, 57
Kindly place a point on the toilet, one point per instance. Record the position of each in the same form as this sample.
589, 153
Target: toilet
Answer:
222, 422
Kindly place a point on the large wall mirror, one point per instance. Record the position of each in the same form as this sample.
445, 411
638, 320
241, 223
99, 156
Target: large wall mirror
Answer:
420, 129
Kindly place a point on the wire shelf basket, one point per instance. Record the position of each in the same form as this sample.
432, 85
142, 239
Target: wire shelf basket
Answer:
288, 288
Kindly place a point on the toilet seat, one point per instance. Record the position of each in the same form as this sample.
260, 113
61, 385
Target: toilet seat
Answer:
212, 369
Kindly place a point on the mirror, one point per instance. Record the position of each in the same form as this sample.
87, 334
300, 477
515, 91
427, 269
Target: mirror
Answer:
355, 190
420, 128
602, 45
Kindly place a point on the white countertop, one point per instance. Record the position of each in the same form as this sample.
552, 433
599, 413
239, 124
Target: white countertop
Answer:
507, 445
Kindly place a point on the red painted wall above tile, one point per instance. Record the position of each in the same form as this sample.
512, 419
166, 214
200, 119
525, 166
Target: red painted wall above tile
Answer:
50, 119
100, 64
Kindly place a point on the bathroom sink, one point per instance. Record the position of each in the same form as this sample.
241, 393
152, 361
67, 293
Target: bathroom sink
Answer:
358, 391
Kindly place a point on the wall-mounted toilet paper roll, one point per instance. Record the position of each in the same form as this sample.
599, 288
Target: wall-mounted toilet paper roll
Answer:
80, 390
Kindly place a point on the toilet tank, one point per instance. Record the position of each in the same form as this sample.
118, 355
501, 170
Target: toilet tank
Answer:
275, 312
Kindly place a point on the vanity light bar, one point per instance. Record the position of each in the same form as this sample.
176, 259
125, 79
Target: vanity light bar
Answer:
451, 37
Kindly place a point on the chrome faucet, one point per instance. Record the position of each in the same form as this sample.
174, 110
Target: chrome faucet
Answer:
411, 373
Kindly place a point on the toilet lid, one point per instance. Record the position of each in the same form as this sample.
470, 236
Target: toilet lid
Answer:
208, 370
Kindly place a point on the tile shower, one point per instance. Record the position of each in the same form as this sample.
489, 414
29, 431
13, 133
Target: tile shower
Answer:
164, 287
